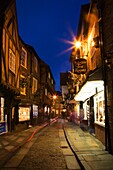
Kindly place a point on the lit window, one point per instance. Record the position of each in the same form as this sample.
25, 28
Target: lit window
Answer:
24, 58
2, 109
11, 61
22, 86
24, 113
99, 107
51, 81
48, 75
46, 92
34, 87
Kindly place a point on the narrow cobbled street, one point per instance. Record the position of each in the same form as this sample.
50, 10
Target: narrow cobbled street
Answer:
44, 154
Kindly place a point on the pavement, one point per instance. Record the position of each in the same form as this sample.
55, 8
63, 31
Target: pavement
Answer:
88, 149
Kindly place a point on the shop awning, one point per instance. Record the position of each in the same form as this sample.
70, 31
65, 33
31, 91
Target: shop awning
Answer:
93, 84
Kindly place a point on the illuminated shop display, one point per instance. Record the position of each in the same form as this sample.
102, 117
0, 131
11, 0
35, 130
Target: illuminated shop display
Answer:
24, 113
2, 109
3, 123
99, 107
35, 111
45, 109
86, 109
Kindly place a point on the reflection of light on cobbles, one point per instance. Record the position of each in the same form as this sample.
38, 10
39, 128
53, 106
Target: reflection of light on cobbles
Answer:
9, 148
4, 142
45, 153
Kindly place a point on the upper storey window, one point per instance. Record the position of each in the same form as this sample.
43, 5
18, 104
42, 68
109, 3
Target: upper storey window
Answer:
35, 64
11, 61
49, 75
24, 58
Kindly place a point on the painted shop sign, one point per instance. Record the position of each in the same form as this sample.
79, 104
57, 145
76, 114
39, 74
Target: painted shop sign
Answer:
80, 66
3, 127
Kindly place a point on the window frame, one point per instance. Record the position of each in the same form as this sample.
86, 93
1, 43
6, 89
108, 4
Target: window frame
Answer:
12, 59
25, 58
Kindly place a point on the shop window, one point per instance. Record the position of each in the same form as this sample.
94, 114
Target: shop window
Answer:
24, 58
24, 113
35, 111
11, 61
99, 108
2, 109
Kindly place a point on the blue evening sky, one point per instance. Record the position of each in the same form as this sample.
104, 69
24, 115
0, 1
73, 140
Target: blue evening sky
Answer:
45, 25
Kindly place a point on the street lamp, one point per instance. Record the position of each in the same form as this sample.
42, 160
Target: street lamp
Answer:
54, 96
77, 44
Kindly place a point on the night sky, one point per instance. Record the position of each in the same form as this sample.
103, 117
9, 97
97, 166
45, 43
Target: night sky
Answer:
49, 26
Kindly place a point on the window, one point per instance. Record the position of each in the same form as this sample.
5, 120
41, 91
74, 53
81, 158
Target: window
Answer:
46, 92
22, 87
11, 61
99, 107
35, 64
1, 109
24, 58
24, 113
34, 87
51, 81
35, 111
4, 40
48, 75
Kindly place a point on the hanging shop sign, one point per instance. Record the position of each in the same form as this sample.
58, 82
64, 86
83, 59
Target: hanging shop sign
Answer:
80, 66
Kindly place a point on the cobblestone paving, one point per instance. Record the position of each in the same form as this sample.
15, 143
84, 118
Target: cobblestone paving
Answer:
45, 154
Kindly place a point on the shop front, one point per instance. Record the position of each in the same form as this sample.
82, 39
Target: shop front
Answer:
35, 114
3, 117
93, 116
23, 117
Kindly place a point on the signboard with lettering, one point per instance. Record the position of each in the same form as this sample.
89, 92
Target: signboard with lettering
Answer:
80, 66
3, 128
